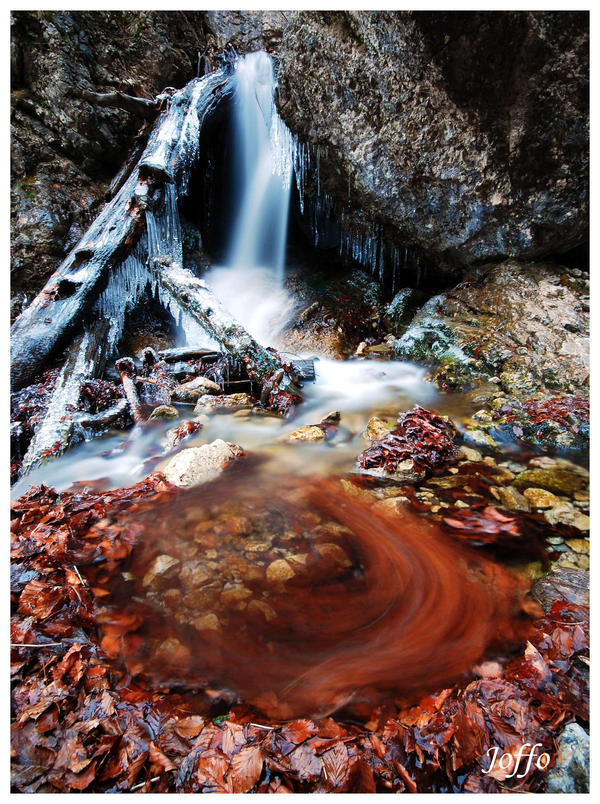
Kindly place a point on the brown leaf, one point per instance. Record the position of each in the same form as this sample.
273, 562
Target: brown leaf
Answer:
305, 763
40, 599
212, 769
158, 758
335, 763
535, 660
298, 731
189, 727
360, 777
246, 768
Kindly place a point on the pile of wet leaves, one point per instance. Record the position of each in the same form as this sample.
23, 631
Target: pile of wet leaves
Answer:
420, 436
83, 722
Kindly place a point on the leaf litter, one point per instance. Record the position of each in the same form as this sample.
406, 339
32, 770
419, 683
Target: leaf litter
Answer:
83, 720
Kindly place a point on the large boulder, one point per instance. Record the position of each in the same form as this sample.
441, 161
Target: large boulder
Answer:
526, 326
465, 133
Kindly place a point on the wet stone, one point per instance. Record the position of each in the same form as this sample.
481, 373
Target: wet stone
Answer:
279, 571
579, 545
197, 465
469, 454
376, 429
511, 498
164, 412
563, 584
208, 622
559, 481
540, 498
571, 772
191, 391
224, 403
158, 570
565, 514
309, 432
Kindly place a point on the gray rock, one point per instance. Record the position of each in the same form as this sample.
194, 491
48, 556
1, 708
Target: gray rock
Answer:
466, 134
571, 774
197, 465
227, 403
164, 412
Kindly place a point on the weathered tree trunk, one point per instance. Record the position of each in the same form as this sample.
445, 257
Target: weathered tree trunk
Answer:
86, 359
196, 298
59, 309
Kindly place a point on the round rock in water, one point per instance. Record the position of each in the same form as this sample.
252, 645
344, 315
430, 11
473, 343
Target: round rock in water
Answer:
197, 465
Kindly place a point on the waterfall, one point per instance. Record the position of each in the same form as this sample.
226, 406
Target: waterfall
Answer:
250, 285
264, 157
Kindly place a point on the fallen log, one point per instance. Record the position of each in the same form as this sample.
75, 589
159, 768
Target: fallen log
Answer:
100, 421
183, 353
169, 156
196, 298
59, 309
126, 368
87, 357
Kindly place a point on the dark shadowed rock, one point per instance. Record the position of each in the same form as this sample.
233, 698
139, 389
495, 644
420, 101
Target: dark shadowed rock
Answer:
466, 133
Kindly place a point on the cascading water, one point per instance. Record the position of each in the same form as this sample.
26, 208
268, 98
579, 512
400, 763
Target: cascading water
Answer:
251, 284
264, 160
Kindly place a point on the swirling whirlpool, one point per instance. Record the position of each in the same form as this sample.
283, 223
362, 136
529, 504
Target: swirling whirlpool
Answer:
304, 598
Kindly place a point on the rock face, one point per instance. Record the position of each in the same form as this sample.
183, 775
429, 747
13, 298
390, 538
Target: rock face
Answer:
247, 30
526, 325
465, 133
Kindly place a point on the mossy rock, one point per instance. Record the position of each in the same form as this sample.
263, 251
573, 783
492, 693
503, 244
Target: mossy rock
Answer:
559, 481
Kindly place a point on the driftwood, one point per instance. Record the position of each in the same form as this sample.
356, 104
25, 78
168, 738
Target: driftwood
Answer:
119, 100
183, 353
87, 357
196, 298
100, 421
126, 369
60, 308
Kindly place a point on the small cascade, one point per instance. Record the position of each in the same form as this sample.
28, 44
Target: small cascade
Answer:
265, 157
250, 285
